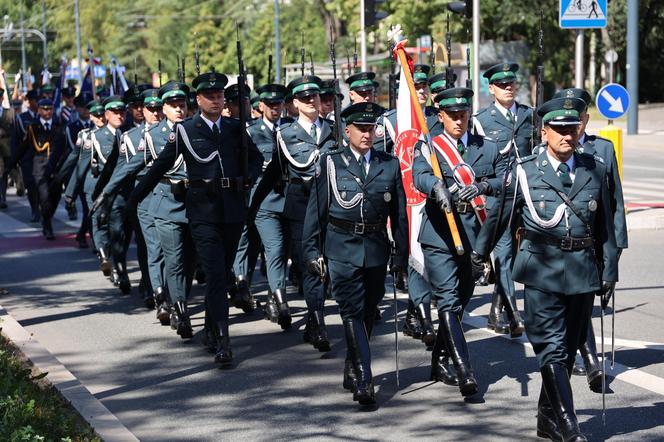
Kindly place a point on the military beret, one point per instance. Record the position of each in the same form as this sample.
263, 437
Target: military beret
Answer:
45, 103
362, 81
231, 93
454, 99
421, 73
114, 102
272, 93
562, 111
304, 86
574, 92
32, 94
362, 113
151, 98
69, 91
210, 81
95, 107
173, 90
501, 73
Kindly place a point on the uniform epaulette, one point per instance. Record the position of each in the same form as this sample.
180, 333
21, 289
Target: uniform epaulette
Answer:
285, 125
254, 122
527, 158
481, 111
390, 112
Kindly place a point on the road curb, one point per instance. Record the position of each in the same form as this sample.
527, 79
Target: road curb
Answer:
645, 219
105, 424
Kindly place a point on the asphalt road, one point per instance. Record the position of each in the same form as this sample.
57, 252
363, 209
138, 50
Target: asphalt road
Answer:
163, 388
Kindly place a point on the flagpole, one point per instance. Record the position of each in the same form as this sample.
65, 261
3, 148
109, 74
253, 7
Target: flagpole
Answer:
78, 44
449, 214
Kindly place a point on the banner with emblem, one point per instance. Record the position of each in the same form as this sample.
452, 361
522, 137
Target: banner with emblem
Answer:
406, 134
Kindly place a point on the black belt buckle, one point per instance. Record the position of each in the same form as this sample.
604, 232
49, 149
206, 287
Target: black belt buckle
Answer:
358, 229
566, 244
225, 183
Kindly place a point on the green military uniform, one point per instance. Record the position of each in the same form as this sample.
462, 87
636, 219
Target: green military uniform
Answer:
450, 275
355, 195
512, 130
566, 249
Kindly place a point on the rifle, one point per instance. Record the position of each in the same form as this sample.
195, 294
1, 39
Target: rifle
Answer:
355, 54
92, 71
432, 58
337, 102
269, 68
539, 93
135, 74
392, 94
302, 54
469, 82
183, 71
348, 63
159, 70
449, 72
179, 73
197, 65
241, 84
311, 60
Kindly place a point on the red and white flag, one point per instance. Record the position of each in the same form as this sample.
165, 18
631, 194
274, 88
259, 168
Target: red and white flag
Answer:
406, 134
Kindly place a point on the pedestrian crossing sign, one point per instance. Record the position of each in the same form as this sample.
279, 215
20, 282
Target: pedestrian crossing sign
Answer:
582, 14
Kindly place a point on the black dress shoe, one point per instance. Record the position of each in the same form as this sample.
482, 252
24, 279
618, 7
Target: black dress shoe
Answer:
270, 309
164, 313
124, 284
284, 315
174, 321
104, 264
321, 340
184, 324
412, 326
243, 298
350, 377
578, 370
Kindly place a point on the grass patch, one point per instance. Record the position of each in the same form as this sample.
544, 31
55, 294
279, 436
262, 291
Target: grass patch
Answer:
30, 408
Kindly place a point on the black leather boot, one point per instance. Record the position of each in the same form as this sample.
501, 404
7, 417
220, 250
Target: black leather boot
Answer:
163, 309
184, 324
555, 379
284, 317
440, 362
593, 369
104, 264
411, 326
516, 325
224, 355
455, 342
358, 346
270, 309
424, 316
321, 340
123, 279
47, 229
495, 321
243, 298
350, 377
546, 420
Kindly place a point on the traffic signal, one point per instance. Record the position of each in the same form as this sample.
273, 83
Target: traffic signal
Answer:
371, 16
464, 7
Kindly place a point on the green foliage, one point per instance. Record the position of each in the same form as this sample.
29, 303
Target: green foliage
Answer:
29, 412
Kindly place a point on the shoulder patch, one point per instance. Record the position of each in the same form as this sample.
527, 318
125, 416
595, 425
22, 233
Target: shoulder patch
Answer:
528, 158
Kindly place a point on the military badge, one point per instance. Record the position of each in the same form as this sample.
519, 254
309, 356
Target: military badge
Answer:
506, 67
88, 144
171, 137
387, 196
163, 129
141, 145
380, 130
123, 148
343, 194
568, 104
592, 205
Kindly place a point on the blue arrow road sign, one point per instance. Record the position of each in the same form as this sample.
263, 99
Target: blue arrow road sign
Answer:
612, 101
582, 14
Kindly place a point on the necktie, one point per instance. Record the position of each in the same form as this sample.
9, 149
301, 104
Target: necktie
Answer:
215, 130
47, 127
563, 173
312, 132
510, 117
363, 169
461, 148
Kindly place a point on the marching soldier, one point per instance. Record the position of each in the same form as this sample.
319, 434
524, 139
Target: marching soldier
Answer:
133, 171
44, 145
477, 162
510, 125
357, 189
23, 120
594, 145
212, 152
299, 145
7, 117
270, 221
566, 255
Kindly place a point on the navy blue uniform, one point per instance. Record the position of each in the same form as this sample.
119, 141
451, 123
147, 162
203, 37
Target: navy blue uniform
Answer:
214, 199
